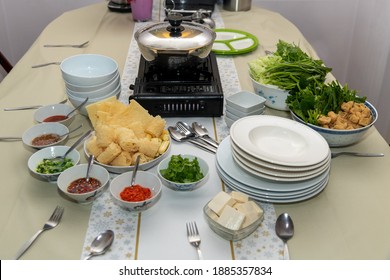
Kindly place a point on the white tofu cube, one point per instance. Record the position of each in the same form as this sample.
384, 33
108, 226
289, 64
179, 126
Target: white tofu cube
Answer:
231, 218
220, 201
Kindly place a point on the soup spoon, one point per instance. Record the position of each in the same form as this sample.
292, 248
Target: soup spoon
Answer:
179, 136
284, 228
101, 244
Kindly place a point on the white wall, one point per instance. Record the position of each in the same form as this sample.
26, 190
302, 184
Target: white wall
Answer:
21, 22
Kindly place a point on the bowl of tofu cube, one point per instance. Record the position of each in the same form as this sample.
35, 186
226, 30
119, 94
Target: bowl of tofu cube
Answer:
233, 216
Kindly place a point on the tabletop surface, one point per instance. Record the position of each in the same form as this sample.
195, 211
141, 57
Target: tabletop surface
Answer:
347, 220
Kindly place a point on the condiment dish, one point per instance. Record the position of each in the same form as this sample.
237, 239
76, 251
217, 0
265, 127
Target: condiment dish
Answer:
79, 171
55, 113
45, 135
48, 153
341, 137
184, 186
144, 179
246, 102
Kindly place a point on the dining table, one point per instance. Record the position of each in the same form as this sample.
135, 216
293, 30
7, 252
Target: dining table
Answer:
347, 220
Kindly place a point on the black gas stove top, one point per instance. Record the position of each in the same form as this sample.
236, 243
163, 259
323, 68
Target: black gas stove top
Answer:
173, 86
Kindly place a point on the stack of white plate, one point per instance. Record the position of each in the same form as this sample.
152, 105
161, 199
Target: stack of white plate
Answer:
274, 159
90, 75
243, 104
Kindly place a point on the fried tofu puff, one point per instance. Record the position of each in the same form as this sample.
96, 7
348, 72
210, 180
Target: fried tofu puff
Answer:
352, 115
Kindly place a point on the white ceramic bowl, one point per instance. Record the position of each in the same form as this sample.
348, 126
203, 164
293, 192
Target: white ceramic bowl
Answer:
50, 152
122, 169
44, 128
54, 110
80, 89
227, 233
77, 101
113, 86
341, 138
245, 102
88, 69
143, 178
275, 97
184, 186
77, 172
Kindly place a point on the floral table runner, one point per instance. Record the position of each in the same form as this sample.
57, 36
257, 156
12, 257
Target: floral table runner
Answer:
262, 244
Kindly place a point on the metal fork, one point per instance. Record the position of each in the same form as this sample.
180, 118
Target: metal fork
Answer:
28, 107
67, 45
194, 237
53, 221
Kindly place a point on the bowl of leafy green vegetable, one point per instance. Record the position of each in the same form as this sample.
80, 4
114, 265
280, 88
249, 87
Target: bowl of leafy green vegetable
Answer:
334, 111
43, 165
284, 72
183, 172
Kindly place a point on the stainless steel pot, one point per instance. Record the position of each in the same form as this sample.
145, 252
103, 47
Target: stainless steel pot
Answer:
175, 38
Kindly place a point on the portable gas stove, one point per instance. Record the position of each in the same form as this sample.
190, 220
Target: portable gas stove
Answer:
173, 86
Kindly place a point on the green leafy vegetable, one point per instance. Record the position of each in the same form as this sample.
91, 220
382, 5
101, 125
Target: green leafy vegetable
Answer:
50, 166
289, 68
182, 170
315, 100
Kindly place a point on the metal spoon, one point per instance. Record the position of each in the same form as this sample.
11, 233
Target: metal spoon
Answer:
356, 154
133, 176
78, 107
190, 133
67, 45
201, 130
85, 135
30, 106
71, 131
284, 228
90, 163
179, 136
101, 244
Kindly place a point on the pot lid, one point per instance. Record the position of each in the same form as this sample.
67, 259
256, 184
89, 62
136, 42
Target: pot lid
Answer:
175, 34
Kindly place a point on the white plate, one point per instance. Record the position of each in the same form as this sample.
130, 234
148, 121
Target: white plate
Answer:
266, 194
225, 161
279, 140
277, 176
278, 167
285, 199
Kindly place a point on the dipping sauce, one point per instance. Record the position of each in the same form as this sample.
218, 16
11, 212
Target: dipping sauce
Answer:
135, 193
45, 139
82, 186
51, 166
55, 118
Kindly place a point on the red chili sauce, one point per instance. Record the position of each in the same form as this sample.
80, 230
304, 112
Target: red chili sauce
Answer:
135, 193
55, 118
46, 139
82, 186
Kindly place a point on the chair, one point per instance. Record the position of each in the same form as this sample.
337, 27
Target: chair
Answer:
5, 63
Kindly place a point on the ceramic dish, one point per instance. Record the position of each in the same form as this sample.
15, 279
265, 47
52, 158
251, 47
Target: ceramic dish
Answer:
245, 102
44, 129
238, 114
279, 140
341, 138
143, 178
80, 171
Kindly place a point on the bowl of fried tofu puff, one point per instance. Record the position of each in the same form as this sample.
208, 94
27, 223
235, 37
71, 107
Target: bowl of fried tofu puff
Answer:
346, 127
233, 215
122, 132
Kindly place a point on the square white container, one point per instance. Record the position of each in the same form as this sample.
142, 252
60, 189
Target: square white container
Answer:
245, 101
241, 114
